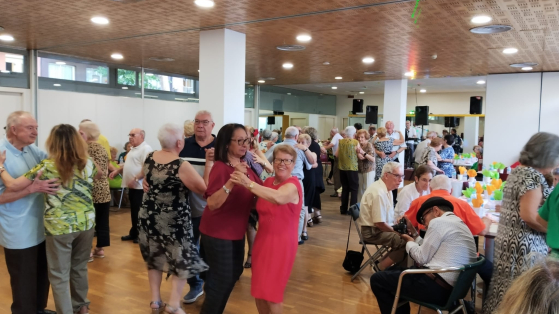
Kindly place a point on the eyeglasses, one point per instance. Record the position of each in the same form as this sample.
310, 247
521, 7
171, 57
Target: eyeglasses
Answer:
398, 176
286, 162
422, 219
241, 141
204, 122
132, 135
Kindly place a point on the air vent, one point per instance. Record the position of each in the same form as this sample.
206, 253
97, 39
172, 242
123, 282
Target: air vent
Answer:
291, 47
268, 78
161, 59
522, 65
373, 72
491, 29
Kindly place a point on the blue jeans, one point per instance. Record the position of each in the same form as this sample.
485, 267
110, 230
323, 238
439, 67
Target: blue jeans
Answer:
196, 282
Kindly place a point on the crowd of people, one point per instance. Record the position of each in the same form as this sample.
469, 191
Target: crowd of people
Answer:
195, 201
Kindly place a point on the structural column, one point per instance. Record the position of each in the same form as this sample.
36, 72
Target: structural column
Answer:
471, 133
222, 75
395, 100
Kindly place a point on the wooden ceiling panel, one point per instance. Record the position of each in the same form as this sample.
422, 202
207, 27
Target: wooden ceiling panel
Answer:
387, 33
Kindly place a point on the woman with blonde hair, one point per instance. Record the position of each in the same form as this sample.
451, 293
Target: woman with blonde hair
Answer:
366, 162
430, 156
69, 214
188, 128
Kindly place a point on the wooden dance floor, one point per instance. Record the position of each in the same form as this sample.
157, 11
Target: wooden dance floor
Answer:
118, 283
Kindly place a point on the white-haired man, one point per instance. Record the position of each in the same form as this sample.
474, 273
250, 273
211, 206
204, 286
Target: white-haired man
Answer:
306, 159
421, 146
333, 144
377, 214
198, 150
22, 233
132, 177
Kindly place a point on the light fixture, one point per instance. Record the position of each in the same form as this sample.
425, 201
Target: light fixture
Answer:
334, 87
204, 3
409, 74
57, 85
287, 65
527, 69
198, 71
6, 37
261, 81
480, 19
149, 74
368, 60
117, 56
510, 50
338, 77
304, 38
423, 91
100, 20
60, 62
124, 87
326, 63
480, 82
5, 71
361, 93
289, 94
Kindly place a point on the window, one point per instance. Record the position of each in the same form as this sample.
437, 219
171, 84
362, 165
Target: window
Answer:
62, 71
73, 70
11, 63
169, 83
126, 77
98, 74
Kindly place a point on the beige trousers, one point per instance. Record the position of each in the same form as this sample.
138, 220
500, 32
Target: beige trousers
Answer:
373, 235
67, 257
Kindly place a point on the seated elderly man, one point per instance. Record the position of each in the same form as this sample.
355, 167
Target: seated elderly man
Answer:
377, 214
448, 243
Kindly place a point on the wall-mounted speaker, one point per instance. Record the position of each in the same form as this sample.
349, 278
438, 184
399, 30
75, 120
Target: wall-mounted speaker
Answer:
422, 115
357, 106
271, 120
371, 115
475, 104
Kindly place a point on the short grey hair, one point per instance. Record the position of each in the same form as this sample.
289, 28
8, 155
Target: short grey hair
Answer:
274, 136
91, 130
391, 166
204, 112
13, 118
441, 182
266, 134
432, 134
350, 131
312, 132
335, 130
541, 151
291, 132
169, 134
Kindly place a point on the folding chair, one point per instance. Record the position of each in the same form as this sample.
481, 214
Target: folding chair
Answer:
459, 292
354, 211
121, 193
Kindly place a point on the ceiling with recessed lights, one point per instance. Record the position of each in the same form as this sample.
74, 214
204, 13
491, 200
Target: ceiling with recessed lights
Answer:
435, 43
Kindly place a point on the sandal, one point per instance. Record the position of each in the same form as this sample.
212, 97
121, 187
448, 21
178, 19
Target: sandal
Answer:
247, 263
100, 253
310, 222
90, 257
172, 310
304, 236
159, 305
317, 219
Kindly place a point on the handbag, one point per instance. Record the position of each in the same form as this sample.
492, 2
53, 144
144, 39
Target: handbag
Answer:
353, 259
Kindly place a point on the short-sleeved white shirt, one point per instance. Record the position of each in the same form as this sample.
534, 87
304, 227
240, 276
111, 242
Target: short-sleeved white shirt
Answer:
134, 162
407, 195
376, 205
335, 140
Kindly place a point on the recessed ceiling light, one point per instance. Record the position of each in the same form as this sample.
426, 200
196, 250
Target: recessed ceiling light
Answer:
57, 85
480, 19
162, 59
117, 56
198, 71
204, 3
491, 29
409, 74
423, 91
287, 65
124, 87
338, 77
527, 68
6, 37
5, 71
326, 63
334, 87
261, 81
523, 64
373, 72
480, 82
361, 92
60, 62
100, 20
510, 50
368, 60
304, 38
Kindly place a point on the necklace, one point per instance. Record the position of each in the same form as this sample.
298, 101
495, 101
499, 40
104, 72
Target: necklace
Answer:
231, 165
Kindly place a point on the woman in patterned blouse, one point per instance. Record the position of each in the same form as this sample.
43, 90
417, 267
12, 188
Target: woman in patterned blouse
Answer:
69, 214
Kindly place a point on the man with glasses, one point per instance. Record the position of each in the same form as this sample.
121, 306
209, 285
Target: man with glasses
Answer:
377, 214
447, 243
198, 150
132, 178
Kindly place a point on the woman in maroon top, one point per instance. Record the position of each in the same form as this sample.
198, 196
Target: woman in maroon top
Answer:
225, 217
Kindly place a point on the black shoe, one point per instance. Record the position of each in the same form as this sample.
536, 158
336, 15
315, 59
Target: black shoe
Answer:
135, 240
128, 238
301, 242
344, 212
304, 236
45, 311
334, 195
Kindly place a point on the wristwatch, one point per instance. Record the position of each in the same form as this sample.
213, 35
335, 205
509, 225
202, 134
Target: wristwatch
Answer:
306, 149
226, 190
2, 169
251, 185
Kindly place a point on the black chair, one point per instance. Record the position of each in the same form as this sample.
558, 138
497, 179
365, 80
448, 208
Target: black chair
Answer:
459, 292
354, 211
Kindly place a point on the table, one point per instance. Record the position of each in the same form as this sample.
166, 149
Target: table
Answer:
489, 243
461, 163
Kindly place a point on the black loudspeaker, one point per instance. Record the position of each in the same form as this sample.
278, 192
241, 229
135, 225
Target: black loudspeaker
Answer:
271, 120
475, 104
422, 115
357, 106
451, 122
371, 116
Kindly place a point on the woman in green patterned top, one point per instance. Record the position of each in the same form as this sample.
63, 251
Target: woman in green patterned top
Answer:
69, 215
347, 163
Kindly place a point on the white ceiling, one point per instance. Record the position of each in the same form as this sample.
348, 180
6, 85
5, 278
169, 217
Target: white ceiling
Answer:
432, 85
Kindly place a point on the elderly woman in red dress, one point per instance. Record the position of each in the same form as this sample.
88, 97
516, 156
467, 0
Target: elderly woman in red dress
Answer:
278, 205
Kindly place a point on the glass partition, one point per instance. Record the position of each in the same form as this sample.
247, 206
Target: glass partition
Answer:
276, 98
